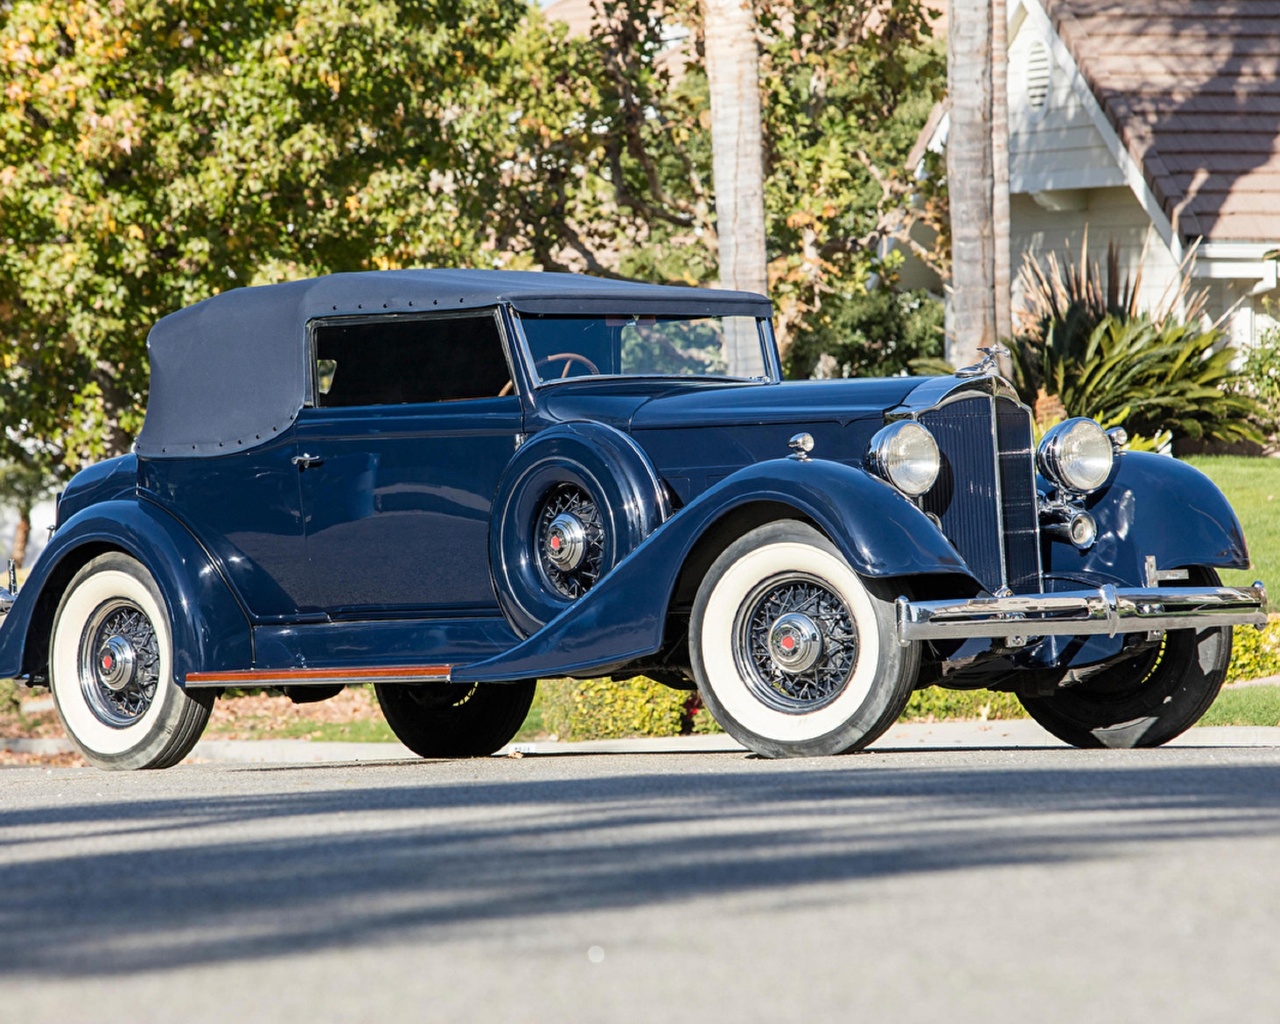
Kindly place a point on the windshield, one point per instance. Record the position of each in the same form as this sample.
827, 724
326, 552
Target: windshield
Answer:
646, 346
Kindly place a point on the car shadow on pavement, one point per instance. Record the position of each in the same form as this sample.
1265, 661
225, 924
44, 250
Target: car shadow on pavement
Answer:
109, 881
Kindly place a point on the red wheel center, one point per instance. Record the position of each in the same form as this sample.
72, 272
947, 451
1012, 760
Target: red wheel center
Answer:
787, 643
108, 663
555, 543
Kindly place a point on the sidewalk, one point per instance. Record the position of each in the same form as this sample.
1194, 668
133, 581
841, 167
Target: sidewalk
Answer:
915, 736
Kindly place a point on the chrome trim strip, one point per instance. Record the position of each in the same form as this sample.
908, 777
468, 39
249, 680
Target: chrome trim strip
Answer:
993, 418
322, 676
1108, 610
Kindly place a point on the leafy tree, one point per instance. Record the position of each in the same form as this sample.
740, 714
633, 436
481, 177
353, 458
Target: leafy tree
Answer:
155, 153
879, 333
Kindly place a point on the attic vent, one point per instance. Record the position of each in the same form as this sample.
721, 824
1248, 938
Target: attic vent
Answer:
1037, 76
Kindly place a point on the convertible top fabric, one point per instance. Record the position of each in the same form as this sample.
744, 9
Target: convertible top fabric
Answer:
230, 372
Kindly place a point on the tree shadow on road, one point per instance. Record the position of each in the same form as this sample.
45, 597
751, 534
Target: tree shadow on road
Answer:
103, 886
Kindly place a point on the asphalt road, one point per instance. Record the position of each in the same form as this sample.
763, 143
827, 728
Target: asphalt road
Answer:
1024, 885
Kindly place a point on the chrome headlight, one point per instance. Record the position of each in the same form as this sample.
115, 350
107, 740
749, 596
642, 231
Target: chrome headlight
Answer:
905, 454
1076, 455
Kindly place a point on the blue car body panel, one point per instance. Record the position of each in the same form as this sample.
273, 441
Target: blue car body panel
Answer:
622, 618
210, 629
1158, 506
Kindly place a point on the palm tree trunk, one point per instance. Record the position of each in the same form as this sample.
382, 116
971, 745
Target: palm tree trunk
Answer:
1000, 169
970, 182
737, 144
21, 534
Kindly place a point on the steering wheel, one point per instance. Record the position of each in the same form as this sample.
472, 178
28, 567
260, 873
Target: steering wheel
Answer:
569, 359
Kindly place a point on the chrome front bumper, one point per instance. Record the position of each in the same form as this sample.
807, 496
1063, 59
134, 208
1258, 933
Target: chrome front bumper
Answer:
1108, 610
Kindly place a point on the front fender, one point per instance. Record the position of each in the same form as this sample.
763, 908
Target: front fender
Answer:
210, 629
878, 531
1156, 506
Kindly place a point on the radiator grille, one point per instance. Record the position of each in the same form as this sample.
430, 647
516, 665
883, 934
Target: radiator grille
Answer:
985, 494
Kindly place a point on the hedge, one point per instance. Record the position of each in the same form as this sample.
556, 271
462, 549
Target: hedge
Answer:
1255, 653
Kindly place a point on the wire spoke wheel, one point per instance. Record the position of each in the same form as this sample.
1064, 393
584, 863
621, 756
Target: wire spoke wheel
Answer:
119, 663
455, 720
570, 541
111, 669
1146, 700
797, 643
794, 653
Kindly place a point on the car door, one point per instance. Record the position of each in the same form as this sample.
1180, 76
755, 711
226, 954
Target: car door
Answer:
412, 423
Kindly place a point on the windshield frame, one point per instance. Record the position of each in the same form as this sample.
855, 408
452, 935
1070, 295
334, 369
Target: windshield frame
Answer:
772, 368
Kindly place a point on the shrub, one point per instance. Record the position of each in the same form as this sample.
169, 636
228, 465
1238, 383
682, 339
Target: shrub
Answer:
877, 334
1260, 370
601, 709
1083, 337
10, 701
934, 704
1255, 653
1151, 377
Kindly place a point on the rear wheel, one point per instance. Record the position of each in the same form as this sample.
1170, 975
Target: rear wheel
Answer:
794, 654
1146, 701
111, 670
452, 720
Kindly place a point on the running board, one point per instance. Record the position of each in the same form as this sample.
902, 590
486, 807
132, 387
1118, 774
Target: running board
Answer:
277, 678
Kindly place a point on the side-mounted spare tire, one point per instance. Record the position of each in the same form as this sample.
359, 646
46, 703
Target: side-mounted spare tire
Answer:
576, 500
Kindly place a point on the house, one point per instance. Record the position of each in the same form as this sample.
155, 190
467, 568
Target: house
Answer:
1156, 125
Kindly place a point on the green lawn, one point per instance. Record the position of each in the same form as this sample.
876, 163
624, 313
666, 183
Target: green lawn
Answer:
1253, 488
1248, 705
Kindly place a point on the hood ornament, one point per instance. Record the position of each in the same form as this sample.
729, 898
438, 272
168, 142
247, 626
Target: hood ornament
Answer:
990, 365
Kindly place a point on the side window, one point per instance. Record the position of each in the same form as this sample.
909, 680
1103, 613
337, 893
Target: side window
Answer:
402, 361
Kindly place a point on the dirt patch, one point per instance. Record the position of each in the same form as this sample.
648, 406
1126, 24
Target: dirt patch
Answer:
261, 717
30, 716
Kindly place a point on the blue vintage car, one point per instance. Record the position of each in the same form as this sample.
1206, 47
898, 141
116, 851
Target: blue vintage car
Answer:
451, 483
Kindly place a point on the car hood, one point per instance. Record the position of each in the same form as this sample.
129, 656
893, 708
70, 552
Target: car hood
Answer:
649, 405
700, 432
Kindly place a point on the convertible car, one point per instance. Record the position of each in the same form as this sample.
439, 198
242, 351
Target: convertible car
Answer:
453, 483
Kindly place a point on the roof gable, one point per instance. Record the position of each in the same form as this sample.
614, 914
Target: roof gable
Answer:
1192, 90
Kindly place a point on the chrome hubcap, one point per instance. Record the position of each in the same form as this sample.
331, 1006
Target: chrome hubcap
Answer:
116, 663
795, 642
566, 542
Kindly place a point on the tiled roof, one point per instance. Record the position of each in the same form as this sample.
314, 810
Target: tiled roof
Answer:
1193, 89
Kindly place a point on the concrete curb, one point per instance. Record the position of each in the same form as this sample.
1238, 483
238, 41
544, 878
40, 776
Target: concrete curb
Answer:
1018, 733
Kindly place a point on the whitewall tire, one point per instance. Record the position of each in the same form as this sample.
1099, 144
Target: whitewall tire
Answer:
111, 670
794, 654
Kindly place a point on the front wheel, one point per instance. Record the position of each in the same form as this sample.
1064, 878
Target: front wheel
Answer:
1146, 701
111, 670
794, 654
451, 720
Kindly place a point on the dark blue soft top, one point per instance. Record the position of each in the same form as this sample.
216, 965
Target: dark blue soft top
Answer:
230, 372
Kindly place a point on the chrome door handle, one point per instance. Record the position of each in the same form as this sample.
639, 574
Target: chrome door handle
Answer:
307, 461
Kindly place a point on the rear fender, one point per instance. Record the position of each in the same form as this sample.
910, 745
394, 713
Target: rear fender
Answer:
210, 629
622, 618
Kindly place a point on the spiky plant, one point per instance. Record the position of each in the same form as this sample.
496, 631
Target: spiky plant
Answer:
1084, 337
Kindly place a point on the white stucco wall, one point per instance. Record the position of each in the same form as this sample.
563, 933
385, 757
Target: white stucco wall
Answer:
1108, 214
1057, 146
